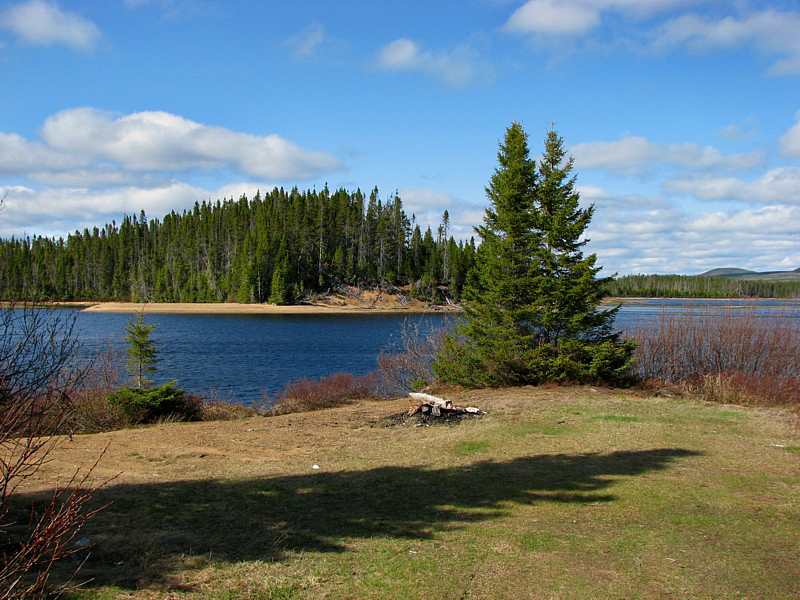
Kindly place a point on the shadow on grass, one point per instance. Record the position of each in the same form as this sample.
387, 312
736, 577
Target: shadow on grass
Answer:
150, 530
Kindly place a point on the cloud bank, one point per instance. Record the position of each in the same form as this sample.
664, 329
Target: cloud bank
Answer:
652, 26
634, 155
753, 224
88, 166
157, 142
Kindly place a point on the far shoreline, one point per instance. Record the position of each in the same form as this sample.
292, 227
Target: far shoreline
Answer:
232, 308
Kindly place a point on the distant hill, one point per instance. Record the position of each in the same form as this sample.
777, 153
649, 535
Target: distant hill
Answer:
747, 275
729, 272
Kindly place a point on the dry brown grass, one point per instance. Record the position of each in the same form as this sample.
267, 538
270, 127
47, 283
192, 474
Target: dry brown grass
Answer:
562, 492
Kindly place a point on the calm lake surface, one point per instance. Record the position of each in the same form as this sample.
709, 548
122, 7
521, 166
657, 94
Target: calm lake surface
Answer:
242, 358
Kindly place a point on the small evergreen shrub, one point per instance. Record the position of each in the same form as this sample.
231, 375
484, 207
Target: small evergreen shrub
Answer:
149, 404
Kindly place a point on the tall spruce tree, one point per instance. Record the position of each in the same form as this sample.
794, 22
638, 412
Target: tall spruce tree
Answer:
532, 301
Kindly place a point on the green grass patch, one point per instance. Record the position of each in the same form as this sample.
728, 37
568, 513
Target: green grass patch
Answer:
539, 541
724, 416
619, 419
530, 428
469, 448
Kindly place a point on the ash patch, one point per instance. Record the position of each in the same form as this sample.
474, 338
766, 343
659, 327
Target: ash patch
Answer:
425, 420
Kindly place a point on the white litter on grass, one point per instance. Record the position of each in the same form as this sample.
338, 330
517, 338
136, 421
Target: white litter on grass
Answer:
315, 467
778, 445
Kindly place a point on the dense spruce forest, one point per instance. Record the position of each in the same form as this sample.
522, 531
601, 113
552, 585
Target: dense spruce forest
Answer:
277, 247
698, 286
282, 247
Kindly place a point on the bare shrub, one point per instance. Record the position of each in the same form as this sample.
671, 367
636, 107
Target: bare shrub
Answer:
326, 392
220, 407
227, 411
91, 412
37, 378
406, 365
734, 356
28, 554
750, 389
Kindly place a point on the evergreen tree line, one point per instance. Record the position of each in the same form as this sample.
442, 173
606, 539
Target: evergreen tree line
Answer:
695, 286
275, 247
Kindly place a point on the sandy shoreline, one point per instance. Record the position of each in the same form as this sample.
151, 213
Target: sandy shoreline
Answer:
232, 308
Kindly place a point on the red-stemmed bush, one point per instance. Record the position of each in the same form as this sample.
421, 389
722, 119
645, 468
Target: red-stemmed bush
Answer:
338, 389
735, 355
37, 379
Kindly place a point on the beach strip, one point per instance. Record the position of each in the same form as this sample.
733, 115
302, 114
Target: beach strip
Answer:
232, 308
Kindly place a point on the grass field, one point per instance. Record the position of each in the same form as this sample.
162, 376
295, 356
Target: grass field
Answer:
561, 492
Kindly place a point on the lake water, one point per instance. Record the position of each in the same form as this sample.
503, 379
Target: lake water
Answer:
244, 357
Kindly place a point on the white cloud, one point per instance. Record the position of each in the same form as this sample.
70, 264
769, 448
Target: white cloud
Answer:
399, 54
781, 220
629, 155
174, 9
306, 43
83, 203
93, 166
605, 201
44, 23
591, 192
235, 191
419, 200
457, 67
790, 142
634, 155
57, 211
770, 32
554, 17
780, 185
18, 156
578, 17
91, 177
152, 141
735, 133
677, 233
428, 206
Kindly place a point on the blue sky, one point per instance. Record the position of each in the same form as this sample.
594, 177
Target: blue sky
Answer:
683, 116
